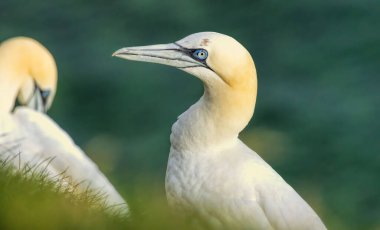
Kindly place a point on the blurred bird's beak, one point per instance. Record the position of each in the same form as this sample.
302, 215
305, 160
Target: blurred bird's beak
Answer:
35, 102
39, 100
166, 54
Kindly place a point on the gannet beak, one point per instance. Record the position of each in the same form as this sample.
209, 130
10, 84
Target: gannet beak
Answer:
39, 100
166, 54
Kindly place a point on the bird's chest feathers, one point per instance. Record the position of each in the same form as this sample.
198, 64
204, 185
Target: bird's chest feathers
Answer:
200, 178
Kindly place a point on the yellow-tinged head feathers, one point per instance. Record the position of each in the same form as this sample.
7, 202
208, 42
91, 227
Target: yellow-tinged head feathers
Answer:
231, 61
27, 63
226, 57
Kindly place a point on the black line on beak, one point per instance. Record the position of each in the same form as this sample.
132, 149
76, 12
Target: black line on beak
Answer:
156, 56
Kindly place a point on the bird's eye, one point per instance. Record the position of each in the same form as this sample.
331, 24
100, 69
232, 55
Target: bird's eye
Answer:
200, 54
45, 93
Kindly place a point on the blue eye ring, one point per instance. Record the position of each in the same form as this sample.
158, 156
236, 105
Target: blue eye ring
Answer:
200, 54
45, 93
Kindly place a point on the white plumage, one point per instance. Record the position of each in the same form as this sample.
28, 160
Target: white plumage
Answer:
31, 138
210, 172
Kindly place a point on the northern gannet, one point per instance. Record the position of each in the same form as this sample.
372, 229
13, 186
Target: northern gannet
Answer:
210, 172
28, 71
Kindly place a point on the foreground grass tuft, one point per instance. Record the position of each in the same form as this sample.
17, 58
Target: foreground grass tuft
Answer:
31, 200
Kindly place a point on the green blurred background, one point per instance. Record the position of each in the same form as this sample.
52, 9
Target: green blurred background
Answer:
316, 119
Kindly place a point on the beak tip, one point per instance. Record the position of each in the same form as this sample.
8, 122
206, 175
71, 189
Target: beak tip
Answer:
118, 52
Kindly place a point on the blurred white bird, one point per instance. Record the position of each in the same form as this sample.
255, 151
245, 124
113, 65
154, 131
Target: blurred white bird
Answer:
31, 138
210, 172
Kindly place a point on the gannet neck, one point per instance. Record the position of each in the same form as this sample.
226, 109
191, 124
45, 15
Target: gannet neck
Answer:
8, 89
218, 117
25, 64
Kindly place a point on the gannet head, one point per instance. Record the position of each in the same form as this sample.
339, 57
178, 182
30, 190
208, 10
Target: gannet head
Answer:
210, 56
31, 67
223, 64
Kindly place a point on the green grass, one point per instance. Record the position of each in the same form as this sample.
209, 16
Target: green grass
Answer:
29, 200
